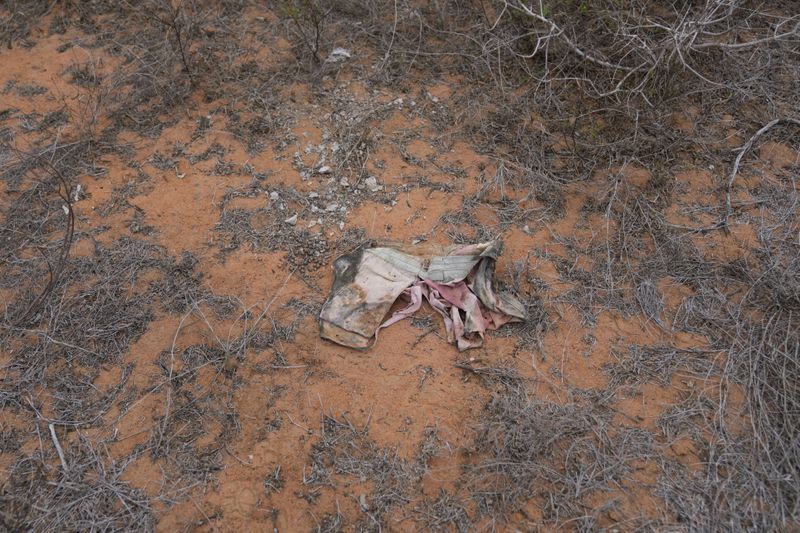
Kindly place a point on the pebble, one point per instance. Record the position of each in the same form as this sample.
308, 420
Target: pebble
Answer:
292, 220
372, 184
338, 54
274, 195
324, 170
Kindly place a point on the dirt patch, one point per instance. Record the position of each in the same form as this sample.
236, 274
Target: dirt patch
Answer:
177, 180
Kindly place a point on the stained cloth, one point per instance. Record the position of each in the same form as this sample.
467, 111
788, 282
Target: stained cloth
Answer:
457, 282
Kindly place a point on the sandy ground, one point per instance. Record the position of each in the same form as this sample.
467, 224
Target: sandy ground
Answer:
219, 433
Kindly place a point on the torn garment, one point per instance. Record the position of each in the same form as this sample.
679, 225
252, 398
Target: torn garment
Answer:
457, 282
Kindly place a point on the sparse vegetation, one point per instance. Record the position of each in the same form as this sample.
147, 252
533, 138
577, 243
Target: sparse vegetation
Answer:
177, 176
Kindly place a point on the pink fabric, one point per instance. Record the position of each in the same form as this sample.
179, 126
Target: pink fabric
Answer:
368, 282
449, 300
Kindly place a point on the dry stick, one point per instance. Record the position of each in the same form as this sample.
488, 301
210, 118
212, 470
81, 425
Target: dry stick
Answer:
744, 149
309, 431
55, 273
58, 446
557, 31
391, 42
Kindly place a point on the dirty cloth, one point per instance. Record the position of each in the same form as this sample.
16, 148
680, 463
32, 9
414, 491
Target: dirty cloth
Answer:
457, 282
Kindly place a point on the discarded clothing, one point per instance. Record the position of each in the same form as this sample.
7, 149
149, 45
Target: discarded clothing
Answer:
457, 282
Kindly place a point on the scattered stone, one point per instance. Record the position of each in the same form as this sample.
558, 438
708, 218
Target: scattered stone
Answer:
292, 220
332, 207
526, 229
341, 225
344, 182
339, 54
324, 170
313, 194
274, 195
372, 184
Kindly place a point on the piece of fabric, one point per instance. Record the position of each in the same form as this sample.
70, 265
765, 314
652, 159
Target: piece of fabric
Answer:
457, 282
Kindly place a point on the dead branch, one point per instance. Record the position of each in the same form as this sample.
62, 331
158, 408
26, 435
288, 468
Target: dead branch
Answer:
743, 150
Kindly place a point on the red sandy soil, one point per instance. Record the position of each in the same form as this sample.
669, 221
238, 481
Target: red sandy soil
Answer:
404, 385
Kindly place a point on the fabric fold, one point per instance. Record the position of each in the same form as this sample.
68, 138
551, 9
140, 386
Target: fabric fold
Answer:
457, 283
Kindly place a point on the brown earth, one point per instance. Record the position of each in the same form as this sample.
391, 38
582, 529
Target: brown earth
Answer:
256, 405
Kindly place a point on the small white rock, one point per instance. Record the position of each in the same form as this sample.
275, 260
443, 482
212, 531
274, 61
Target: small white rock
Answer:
338, 54
526, 229
332, 207
292, 220
372, 184
341, 225
344, 182
324, 170
313, 194
274, 195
